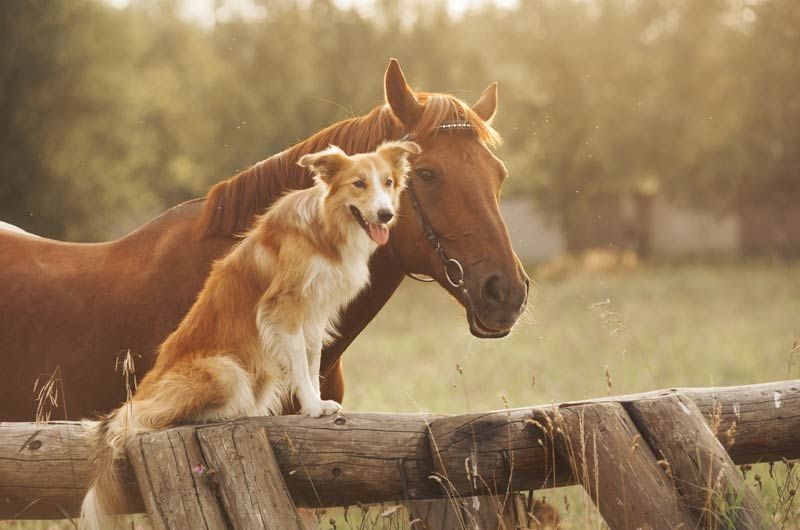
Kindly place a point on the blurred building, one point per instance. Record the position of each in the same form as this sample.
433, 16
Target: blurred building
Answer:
652, 227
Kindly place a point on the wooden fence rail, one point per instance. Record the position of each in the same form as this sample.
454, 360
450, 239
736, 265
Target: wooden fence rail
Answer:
370, 457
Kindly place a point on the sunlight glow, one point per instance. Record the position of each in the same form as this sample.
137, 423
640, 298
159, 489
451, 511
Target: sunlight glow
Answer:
202, 11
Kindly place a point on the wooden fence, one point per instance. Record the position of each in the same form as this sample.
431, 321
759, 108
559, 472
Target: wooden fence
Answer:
656, 460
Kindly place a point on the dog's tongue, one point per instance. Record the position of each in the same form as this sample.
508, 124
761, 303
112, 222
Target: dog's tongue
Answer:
379, 233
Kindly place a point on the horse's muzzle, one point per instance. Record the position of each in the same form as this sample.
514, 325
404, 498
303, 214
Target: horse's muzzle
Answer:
498, 306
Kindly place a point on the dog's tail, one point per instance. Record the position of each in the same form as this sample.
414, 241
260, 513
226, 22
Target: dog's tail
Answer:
106, 495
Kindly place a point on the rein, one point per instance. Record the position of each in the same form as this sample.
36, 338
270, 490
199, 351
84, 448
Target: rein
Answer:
448, 263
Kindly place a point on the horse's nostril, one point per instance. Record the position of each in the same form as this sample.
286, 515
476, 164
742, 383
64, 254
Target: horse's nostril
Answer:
493, 291
385, 215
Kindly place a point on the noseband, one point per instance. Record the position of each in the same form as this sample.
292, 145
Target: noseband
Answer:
453, 270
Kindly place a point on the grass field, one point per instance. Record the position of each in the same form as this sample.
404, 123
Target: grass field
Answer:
690, 324
661, 326
687, 324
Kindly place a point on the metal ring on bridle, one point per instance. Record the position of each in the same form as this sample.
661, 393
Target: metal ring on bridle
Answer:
460, 281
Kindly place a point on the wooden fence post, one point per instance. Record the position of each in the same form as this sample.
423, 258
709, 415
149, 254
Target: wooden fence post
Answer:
175, 495
702, 470
250, 483
214, 477
617, 468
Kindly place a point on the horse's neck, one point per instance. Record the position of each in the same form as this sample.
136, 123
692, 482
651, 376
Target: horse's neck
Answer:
204, 229
233, 204
173, 239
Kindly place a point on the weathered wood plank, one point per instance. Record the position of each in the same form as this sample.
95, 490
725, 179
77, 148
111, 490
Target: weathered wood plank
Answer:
504, 446
175, 495
479, 454
702, 471
44, 471
617, 469
43, 468
352, 458
325, 462
251, 487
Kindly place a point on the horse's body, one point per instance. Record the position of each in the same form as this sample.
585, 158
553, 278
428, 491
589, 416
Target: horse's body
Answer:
80, 306
85, 303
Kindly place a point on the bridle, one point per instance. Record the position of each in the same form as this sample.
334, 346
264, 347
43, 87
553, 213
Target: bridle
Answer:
433, 239
449, 264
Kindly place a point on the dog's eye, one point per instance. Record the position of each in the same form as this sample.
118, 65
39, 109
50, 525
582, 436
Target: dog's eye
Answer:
424, 174
360, 184
389, 182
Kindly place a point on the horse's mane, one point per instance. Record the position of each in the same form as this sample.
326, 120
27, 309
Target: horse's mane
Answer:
232, 205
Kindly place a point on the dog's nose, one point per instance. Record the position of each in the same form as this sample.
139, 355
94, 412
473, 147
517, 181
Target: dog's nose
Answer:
385, 215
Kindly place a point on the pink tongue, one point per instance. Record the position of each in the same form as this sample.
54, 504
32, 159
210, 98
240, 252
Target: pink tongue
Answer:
379, 233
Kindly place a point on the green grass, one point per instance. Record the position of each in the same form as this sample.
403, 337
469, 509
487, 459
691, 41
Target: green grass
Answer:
679, 325
659, 326
683, 325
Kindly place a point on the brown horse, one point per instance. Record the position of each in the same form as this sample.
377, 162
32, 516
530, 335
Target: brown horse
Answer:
78, 306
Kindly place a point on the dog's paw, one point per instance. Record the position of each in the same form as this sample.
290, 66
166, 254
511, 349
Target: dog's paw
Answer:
321, 408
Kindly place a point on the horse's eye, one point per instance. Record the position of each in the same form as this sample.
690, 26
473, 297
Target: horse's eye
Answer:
389, 182
424, 174
360, 184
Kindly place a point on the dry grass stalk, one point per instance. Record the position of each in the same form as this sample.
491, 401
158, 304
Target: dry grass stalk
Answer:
47, 395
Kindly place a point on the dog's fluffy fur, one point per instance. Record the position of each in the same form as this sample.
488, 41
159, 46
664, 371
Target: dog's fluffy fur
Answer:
253, 339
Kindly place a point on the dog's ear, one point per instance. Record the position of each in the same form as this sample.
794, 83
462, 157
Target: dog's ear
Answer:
396, 153
325, 164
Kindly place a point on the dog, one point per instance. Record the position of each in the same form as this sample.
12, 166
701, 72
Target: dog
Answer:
252, 341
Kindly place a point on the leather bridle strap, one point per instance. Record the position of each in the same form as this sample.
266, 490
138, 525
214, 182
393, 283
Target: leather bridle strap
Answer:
433, 239
431, 236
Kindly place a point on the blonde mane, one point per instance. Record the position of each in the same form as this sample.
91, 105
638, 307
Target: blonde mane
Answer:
232, 205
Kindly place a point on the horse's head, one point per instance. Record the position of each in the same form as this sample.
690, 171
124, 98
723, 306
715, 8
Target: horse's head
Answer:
452, 205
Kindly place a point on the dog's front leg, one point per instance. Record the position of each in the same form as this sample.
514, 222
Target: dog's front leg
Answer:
291, 350
314, 353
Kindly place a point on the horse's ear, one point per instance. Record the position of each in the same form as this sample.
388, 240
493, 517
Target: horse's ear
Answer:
326, 164
399, 96
486, 106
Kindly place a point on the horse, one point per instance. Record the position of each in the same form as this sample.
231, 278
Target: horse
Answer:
73, 311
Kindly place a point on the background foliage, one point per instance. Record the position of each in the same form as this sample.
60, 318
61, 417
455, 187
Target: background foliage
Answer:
109, 116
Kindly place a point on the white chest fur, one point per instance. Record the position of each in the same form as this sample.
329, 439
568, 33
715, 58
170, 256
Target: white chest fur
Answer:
332, 284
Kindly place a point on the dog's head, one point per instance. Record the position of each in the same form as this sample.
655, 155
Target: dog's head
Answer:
367, 185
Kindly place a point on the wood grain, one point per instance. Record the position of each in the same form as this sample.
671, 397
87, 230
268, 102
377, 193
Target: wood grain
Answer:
174, 494
251, 487
617, 468
371, 457
701, 469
